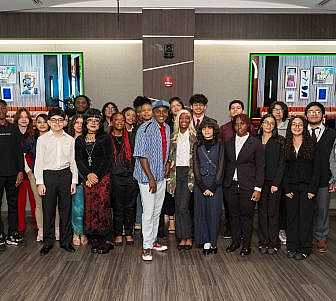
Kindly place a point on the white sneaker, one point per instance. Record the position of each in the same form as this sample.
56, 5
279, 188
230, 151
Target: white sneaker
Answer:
282, 237
137, 227
147, 255
39, 236
158, 247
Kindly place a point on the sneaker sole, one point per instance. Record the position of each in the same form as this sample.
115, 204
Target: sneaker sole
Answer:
11, 243
147, 259
160, 250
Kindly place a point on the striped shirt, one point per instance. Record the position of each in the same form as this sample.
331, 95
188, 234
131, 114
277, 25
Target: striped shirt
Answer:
148, 144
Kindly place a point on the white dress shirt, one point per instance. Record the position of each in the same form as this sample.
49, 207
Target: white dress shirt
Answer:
55, 152
183, 149
239, 143
318, 131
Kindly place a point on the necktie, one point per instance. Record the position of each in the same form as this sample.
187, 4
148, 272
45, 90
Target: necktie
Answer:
197, 123
314, 135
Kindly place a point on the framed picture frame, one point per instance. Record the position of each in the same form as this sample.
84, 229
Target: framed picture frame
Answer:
29, 83
7, 93
323, 75
322, 94
8, 74
304, 83
291, 76
290, 96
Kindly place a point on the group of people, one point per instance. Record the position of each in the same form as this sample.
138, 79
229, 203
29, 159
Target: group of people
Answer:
91, 174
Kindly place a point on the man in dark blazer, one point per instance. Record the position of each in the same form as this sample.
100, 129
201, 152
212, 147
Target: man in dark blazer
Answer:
198, 104
324, 138
243, 179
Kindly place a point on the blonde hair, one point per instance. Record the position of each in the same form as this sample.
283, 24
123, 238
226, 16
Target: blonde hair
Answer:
191, 127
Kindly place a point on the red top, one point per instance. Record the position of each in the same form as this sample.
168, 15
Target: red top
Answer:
164, 141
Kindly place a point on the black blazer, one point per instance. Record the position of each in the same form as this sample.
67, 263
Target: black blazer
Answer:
274, 160
302, 174
250, 163
101, 156
323, 150
205, 118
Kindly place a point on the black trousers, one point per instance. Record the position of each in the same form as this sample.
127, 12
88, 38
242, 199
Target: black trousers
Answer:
8, 183
241, 209
168, 208
300, 212
268, 217
282, 211
182, 203
58, 192
124, 198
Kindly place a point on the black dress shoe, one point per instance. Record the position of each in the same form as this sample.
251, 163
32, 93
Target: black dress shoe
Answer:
45, 250
214, 250
68, 248
245, 252
187, 247
206, 251
180, 247
232, 248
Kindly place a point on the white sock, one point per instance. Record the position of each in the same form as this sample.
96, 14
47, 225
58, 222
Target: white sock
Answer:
207, 246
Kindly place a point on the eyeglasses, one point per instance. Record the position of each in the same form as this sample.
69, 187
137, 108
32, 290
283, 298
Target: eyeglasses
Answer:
314, 112
277, 110
55, 120
297, 125
93, 120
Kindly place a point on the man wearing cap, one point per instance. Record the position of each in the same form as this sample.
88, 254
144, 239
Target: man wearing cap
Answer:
151, 153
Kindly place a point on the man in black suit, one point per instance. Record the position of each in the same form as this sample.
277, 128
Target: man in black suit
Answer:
324, 138
198, 104
243, 179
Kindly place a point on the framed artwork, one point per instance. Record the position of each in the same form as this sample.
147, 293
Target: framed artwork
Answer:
290, 95
323, 75
7, 93
322, 94
29, 83
8, 74
291, 77
304, 83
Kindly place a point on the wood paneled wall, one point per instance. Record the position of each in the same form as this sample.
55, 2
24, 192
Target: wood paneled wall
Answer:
265, 26
70, 26
162, 27
205, 26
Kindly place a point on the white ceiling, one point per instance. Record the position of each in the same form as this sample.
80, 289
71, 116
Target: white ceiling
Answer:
221, 6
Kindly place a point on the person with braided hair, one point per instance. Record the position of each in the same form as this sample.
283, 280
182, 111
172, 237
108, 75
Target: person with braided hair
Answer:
124, 186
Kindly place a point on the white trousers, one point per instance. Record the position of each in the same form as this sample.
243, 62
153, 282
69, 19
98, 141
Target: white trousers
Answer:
152, 205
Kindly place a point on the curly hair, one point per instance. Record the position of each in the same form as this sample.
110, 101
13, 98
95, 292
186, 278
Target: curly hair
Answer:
307, 146
283, 106
30, 128
211, 124
244, 118
198, 98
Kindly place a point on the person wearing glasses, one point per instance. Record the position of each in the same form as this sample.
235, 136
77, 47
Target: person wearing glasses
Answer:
56, 178
268, 206
300, 183
280, 111
324, 138
94, 157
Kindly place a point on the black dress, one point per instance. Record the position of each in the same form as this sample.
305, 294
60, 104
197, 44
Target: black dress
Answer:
208, 170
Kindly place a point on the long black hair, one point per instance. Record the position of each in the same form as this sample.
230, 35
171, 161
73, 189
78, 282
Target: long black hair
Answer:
307, 146
71, 129
275, 129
